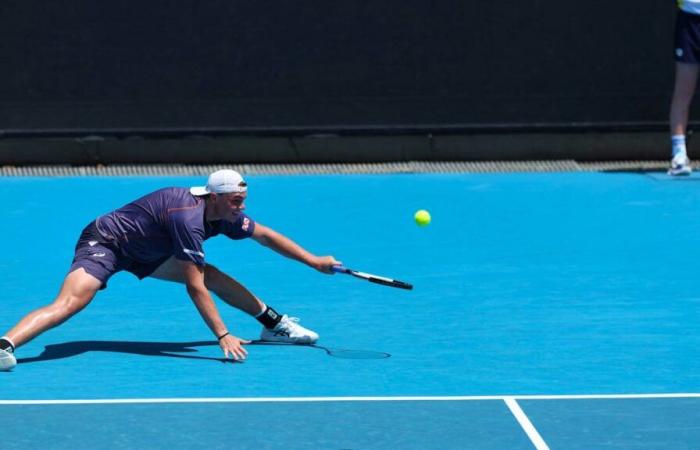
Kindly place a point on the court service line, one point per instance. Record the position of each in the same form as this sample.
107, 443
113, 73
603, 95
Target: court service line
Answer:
524, 422
344, 399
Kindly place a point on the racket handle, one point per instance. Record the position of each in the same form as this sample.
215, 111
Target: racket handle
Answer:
340, 269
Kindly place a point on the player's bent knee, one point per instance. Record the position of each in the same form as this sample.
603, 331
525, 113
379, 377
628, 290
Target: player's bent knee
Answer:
72, 303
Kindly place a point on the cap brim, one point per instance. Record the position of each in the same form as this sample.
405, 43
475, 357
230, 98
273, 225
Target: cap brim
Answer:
199, 190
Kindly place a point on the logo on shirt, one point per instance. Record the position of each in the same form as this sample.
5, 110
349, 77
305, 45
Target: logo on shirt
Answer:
193, 252
679, 52
98, 254
246, 224
92, 243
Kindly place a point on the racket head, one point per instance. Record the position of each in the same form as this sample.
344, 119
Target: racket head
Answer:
392, 283
384, 281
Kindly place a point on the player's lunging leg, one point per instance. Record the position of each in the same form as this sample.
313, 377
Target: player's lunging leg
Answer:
276, 327
78, 290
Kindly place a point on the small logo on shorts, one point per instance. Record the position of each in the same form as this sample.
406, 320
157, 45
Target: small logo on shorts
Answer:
679, 52
98, 255
92, 243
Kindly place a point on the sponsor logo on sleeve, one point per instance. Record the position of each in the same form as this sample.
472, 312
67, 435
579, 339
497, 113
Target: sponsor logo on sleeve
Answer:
246, 224
193, 252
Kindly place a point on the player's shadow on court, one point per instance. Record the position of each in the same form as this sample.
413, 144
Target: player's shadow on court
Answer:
167, 349
173, 350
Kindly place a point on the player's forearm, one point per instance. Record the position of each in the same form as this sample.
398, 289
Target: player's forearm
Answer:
207, 309
285, 246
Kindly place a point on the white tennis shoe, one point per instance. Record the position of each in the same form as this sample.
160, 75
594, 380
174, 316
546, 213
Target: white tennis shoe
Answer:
680, 165
289, 331
7, 360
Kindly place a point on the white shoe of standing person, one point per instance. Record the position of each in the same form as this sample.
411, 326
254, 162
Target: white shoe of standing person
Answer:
680, 165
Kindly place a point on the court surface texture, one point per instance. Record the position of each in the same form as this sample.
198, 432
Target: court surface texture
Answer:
550, 310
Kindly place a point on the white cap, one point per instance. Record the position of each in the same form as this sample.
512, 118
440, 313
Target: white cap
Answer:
222, 182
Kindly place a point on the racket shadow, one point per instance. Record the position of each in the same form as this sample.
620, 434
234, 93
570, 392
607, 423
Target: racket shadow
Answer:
342, 353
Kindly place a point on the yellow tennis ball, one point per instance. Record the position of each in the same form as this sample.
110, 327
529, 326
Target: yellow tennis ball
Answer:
422, 218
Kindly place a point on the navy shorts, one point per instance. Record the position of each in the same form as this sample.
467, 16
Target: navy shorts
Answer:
101, 258
687, 40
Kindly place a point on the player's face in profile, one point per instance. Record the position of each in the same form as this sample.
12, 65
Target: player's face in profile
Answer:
230, 205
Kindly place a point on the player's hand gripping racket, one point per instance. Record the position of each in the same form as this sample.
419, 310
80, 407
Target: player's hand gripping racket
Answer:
373, 278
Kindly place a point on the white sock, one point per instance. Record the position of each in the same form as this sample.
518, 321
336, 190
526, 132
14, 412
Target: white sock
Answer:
678, 145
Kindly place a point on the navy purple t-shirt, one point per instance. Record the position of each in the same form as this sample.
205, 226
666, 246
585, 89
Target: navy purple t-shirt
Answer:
167, 222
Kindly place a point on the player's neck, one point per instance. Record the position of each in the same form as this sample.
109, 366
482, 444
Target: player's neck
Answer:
210, 212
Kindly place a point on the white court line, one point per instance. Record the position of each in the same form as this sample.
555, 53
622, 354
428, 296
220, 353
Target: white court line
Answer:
344, 399
524, 422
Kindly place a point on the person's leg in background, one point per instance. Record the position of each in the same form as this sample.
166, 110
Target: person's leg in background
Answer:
683, 91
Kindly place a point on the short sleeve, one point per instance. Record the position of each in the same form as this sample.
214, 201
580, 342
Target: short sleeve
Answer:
241, 228
187, 234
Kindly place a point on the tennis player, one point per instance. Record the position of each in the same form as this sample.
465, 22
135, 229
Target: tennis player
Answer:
161, 235
687, 55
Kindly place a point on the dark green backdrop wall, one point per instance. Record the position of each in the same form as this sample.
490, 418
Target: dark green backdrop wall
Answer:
78, 66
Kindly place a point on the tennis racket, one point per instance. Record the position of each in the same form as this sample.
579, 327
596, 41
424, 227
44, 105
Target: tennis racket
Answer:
373, 278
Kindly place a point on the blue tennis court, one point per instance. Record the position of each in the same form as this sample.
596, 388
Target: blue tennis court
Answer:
550, 310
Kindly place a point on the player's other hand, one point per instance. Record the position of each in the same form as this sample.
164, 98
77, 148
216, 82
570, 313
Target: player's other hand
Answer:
233, 347
324, 263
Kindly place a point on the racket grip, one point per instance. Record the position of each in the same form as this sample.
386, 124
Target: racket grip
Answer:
339, 269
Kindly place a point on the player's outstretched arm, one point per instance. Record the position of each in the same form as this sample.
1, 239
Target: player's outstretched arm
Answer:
194, 280
283, 245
